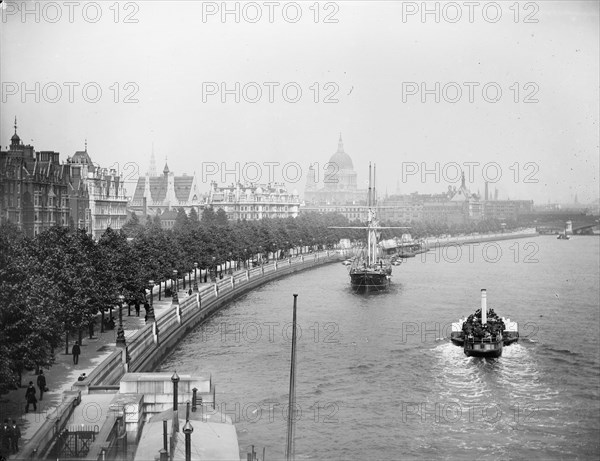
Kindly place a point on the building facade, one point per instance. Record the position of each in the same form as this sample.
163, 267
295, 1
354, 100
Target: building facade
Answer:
254, 201
34, 188
98, 196
155, 194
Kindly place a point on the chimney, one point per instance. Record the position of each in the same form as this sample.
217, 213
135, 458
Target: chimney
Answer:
483, 306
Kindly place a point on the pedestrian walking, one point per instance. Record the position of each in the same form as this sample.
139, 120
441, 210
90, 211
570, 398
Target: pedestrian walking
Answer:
76, 351
5, 439
30, 397
137, 309
16, 435
41, 382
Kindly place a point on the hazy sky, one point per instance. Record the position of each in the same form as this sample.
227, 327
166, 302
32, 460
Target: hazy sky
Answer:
370, 60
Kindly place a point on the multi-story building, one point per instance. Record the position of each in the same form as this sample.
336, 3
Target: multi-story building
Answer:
98, 196
156, 194
351, 212
506, 209
34, 188
254, 201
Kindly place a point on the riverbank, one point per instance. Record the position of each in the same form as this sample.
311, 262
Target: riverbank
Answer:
433, 242
147, 343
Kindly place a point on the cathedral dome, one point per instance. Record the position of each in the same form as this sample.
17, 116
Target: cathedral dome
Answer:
341, 158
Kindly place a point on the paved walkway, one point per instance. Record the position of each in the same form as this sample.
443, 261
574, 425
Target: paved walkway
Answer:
63, 374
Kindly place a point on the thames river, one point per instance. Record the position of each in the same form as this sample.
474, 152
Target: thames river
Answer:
378, 378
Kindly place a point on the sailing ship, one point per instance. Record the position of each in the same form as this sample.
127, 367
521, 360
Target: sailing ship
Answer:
371, 269
484, 334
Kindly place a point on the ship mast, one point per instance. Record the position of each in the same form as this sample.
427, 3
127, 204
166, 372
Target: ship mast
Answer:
289, 449
369, 219
374, 221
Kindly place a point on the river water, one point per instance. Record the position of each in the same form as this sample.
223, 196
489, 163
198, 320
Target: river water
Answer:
377, 377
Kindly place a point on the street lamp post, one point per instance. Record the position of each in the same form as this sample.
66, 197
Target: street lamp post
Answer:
187, 430
195, 279
120, 332
150, 314
300, 246
214, 268
245, 258
175, 381
230, 262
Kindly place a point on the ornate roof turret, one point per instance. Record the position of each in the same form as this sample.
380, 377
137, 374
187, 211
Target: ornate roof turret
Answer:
15, 137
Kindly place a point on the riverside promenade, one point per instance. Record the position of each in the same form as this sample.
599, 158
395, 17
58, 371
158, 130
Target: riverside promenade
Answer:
70, 402
433, 242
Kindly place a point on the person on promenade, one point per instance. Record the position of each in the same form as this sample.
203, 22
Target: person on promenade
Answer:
5, 439
16, 435
41, 382
190, 292
137, 309
30, 397
76, 351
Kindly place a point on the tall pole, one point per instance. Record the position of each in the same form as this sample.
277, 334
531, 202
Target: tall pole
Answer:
289, 449
175, 381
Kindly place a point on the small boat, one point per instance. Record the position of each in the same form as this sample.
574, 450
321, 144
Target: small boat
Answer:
404, 247
484, 334
563, 236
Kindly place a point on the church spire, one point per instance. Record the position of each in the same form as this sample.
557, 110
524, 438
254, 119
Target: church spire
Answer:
152, 169
86, 144
340, 144
15, 124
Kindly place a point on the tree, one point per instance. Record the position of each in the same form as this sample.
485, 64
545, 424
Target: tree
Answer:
221, 217
208, 216
181, 221
132, 228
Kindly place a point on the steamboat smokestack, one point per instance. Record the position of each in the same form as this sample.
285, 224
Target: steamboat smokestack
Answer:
483, 306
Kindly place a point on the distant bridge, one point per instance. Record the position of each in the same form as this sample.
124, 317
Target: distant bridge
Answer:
556, 221
587, 229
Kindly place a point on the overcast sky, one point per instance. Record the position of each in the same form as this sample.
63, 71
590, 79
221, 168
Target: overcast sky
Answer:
371, 60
